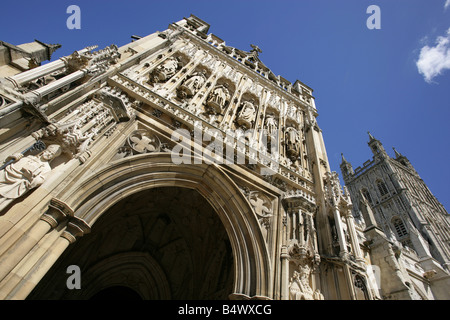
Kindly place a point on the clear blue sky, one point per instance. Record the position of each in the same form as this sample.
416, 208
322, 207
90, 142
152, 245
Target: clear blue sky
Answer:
363, 80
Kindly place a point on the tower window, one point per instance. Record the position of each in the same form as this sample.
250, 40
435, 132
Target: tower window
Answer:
382, 188
399, 227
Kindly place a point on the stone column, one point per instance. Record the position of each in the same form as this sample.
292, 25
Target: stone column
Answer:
57, 213
340, 231
284, 273
353, 236
284, 262
30, 75
32, 273
36, 95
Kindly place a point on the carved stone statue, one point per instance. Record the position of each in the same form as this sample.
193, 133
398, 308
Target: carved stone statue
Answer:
218, 98
165, 71
247, 115
299, 287
292, 143
191, 86
271, 125
25, 174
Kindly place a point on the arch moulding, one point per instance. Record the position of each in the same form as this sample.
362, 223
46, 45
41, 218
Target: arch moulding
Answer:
93, 196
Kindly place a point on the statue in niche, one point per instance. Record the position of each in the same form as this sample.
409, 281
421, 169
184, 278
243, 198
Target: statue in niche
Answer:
292, 144
247, 114
25, 173
271, 130
165, 71
299, 287
218, 99
191, 86
271, 124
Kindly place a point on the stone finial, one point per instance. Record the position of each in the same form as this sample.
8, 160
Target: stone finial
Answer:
397, 154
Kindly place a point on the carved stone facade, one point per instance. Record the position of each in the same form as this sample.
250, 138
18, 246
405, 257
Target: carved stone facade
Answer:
404, 228
181, 168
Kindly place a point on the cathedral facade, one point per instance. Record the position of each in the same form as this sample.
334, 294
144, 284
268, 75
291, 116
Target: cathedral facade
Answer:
175, 167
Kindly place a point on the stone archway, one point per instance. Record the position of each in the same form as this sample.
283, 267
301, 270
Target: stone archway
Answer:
160, 243
92, 198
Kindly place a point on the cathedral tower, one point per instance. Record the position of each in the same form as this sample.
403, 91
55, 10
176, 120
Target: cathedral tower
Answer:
411, 223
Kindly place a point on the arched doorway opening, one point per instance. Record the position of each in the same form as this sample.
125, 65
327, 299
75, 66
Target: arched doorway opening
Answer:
159, 243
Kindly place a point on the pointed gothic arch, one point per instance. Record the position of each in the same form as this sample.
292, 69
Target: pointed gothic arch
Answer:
91, 198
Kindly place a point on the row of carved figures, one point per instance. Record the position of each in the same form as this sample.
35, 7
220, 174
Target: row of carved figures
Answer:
219, 99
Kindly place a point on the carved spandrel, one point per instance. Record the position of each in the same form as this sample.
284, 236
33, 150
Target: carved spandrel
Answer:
142, 141
262, 207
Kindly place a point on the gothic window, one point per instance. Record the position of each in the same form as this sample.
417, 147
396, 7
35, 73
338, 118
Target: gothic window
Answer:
382, 188
399, 227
